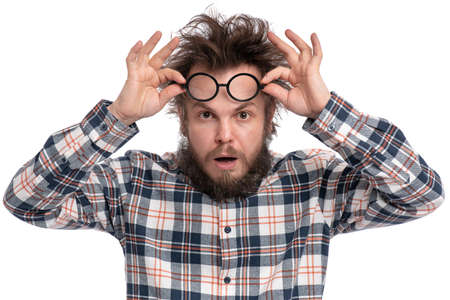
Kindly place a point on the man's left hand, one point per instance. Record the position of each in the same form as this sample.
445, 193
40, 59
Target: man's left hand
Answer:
309, 94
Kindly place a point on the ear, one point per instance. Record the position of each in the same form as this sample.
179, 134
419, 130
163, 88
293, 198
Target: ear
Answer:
180, 112
270, 115
181, 117
272, 111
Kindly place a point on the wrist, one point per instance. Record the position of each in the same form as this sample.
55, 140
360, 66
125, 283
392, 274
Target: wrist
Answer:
127, 121
322, 102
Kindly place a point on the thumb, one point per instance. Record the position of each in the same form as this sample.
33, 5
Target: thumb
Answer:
276, 91
169, 92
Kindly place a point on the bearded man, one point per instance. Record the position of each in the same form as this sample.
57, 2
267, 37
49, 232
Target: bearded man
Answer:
224, 217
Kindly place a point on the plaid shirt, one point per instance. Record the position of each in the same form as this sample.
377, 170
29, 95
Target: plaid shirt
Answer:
181, 244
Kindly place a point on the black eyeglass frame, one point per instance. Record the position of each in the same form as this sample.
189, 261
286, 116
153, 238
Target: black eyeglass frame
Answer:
227, 85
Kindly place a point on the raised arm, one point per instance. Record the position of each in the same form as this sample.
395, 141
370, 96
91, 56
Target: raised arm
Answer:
381, 180
71, 183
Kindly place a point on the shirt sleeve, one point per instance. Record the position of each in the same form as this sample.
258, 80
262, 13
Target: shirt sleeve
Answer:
380, 181
72, 183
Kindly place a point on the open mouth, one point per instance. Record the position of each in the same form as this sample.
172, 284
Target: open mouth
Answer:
225, 159
225, 163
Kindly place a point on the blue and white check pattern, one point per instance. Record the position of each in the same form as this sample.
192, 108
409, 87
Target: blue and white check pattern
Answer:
181, 244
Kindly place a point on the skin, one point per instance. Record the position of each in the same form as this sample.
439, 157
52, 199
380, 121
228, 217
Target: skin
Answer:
309, 94
226, 130
225, 127
140, 97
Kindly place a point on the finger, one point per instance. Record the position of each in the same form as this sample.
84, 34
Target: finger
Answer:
158, 59
131, 58
149, 45
288, 52
277, 91
304, 48
278, 72
167, 74
168, 93
316, 48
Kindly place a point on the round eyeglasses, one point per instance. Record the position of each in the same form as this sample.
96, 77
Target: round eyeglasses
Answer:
241, 87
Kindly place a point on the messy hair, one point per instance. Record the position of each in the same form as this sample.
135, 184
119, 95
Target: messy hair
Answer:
216, 42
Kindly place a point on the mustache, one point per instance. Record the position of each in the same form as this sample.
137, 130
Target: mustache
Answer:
224, 149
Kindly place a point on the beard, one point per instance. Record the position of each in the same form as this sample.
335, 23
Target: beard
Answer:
227, 186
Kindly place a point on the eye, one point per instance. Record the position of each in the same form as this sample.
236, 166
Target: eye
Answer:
244, 115
205, 115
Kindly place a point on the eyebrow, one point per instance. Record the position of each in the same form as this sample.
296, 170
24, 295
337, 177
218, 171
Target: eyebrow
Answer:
203, 105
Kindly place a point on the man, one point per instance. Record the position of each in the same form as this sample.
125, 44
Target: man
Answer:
224, 217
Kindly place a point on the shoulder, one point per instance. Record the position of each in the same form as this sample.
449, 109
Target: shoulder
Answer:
147, 160
305, 165
138, 163
309, 161
318, 157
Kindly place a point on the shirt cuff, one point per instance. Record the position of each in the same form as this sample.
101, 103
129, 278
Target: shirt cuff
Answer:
334, 123
105, 130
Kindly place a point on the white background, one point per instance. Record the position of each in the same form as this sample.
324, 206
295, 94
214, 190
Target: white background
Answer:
59, 58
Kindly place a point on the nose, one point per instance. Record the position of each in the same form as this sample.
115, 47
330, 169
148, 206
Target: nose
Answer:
224, 134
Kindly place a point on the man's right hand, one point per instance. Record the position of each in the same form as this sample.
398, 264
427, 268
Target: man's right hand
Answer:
140, 97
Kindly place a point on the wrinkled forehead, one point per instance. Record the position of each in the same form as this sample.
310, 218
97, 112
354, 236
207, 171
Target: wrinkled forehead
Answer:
224, 74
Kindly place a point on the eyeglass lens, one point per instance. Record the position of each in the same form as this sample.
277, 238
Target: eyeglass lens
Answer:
241, 87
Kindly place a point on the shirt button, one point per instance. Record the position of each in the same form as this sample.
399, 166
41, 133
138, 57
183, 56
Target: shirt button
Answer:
331, 127
227, 280
227, 229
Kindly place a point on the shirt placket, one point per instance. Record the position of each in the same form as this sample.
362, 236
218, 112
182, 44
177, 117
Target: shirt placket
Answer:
228, 231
